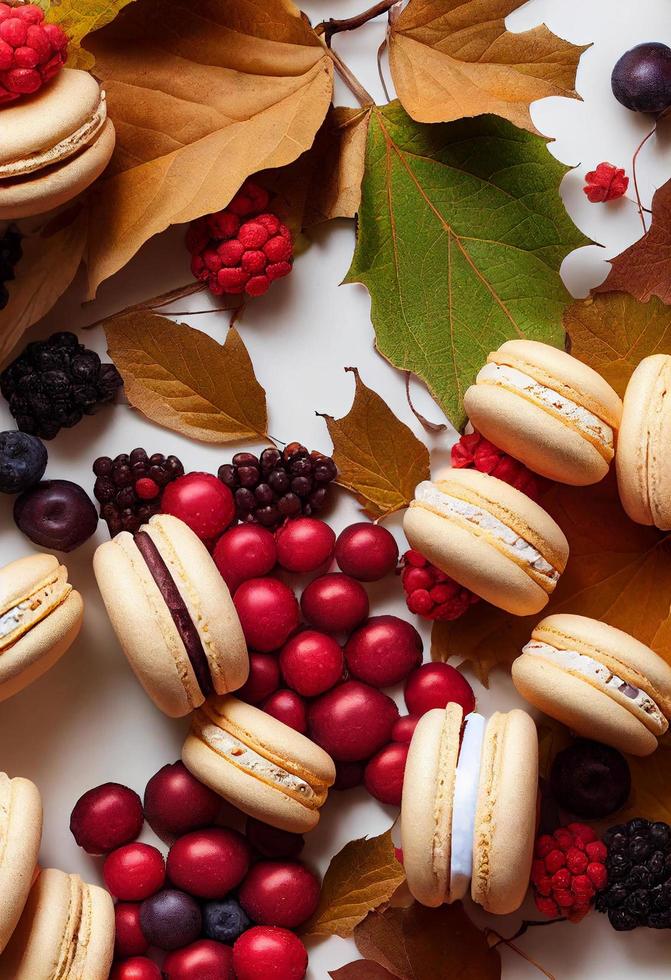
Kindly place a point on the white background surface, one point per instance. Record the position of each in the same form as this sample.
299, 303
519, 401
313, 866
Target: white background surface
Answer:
87, 721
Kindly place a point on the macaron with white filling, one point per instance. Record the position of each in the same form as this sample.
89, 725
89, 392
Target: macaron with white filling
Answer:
549, 410
489, 537
597, 680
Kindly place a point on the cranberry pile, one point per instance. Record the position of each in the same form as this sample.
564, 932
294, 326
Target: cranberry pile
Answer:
223, 903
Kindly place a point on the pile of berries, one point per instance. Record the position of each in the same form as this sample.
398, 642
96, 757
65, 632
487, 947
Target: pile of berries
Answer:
476, 452
639, 876
431, 593
222, 903
31, 52
10, 254
569, 868
130, 486
243, 248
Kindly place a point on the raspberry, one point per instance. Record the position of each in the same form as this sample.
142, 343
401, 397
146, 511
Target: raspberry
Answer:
597, 851
606, 183
251, 261
257, 285
582, 832
278, 249
276, 270
223, 224
476, 452
576, 860
547, 906
31, 52
231, 252
597, 874
554, 861
252, 234
232, 280
544, 845
250, 199
564, 838
430, 592
563, 878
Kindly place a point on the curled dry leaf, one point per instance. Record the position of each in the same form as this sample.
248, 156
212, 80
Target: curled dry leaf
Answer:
378, 457
184, 380
79, 18
361, 877
202, 95
362, 970
451, 59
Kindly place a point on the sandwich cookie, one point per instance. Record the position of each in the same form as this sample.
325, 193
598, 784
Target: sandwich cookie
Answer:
468, 811
66, 932
53, 145
547, 409
20, 837
40, 617
172, 613
597, 680
489, 537
259, 764
643, 461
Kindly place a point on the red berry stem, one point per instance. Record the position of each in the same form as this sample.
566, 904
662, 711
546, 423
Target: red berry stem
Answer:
640, 146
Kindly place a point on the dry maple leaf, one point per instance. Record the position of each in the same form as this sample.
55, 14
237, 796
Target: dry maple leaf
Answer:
378, 457
79, 18
362, 970
451, 59
361, 877
184, 380
202, 95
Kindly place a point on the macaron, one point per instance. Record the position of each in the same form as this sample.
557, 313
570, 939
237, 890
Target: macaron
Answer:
40, 617
547, 409
66, 932
20, 837
468, 812
643, 461
53, 145
597, 680
259, 764
489, 537
172, 613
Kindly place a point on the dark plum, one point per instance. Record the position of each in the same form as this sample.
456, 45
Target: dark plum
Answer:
170, 919
641, 79
56, 514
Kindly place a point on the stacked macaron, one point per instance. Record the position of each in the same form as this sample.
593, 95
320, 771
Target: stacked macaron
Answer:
20, 836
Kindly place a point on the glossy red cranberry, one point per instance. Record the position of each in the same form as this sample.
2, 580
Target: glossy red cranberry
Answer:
263, 679
137, 968
385, 771
271, 842
134, 872
289, 707
201, 501
348, 775
209, 863
175, 802
269, 953
106, 817
383, 651
352, 721
280, 893
304, 544
202, 960
129, 940
435, 686
404, 728
335, 603
366, 551
268, 612
311, 663
171, 919
244, 552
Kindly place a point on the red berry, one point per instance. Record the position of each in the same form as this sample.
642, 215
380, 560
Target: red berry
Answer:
576, 860
106, 817
352, 721
597, 851
311, 663
175, 802
129, 939
366, 551
268, 612
257, 285
435, 686
134, 872
384, 773
146, 488
289, 708
280, 893
335, 603
582, 887
243, 552
201, 501
253, 261
555, 860
564, 899
383, 651
564, 838
582, 832
263, 679
14, 31
223, 224
252, 234
404, 728
278, 249
269, 953
561, 878
276, 270
232, 280
202, 960
137, 968
231, 252
606, 183
209, 863
598, 875
271, 842
415, 579
544, 845
304, 544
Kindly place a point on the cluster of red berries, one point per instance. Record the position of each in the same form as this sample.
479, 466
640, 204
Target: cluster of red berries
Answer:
476, 452
242, 248
569, 868
31, 52
223, 903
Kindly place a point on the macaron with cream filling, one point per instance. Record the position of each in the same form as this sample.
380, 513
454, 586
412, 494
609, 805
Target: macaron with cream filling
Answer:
20, 837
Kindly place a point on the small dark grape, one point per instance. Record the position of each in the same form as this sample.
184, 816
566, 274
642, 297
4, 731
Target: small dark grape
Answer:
301, 486
104, 489
122, 476
245, 500
123, 459
279, 481
264, 494
102, 466
228, 475
269, 459
248, 476
138, 456
289, 504
267, 516
245, 459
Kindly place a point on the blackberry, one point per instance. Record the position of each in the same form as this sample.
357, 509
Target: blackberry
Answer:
10, 254
129, 487
276, 485
638, 892
54, 383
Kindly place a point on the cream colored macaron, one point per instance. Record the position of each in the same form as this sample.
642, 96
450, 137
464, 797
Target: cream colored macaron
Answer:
597, 680
547, 409
20, 836
468, 812
53, 145
489, 537
643, 460
172, 613
66, 932
40, 617
259, 764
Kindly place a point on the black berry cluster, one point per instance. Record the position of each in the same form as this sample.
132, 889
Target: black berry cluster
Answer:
639, 876
54, 383
275, 485
10, 253
129, 487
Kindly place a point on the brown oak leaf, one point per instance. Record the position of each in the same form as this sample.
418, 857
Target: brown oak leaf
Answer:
362, 970
451, 59
378, 457
79, 18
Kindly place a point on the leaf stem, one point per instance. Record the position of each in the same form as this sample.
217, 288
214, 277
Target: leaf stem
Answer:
364, 98
491, 933
165, 299
633, 168
334, 26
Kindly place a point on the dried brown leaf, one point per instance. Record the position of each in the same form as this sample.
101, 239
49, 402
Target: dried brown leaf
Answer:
362, 970
79, 18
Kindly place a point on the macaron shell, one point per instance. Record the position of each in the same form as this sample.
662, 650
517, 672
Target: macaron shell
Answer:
20, 837
21, 578
99, 950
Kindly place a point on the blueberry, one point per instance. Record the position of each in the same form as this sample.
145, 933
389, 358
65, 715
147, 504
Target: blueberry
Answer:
224, 920
641, 79
23, 460
170, 919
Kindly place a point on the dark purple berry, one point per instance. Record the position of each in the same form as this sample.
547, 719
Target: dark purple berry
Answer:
641, 79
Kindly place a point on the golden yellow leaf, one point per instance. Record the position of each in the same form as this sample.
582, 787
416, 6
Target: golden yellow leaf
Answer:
202, 95
184, 380
451, 59
79, 18
378, 457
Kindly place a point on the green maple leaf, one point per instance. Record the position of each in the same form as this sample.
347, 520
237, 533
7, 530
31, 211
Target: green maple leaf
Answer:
461, 235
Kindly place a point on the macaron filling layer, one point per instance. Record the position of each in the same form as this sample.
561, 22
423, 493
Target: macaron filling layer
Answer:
590, 424
181, 617
593, 670
17, 620
509, 541
464, 805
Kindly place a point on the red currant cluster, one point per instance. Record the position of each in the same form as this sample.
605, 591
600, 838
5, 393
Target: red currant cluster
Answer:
224, 903
476, 452
569, 869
